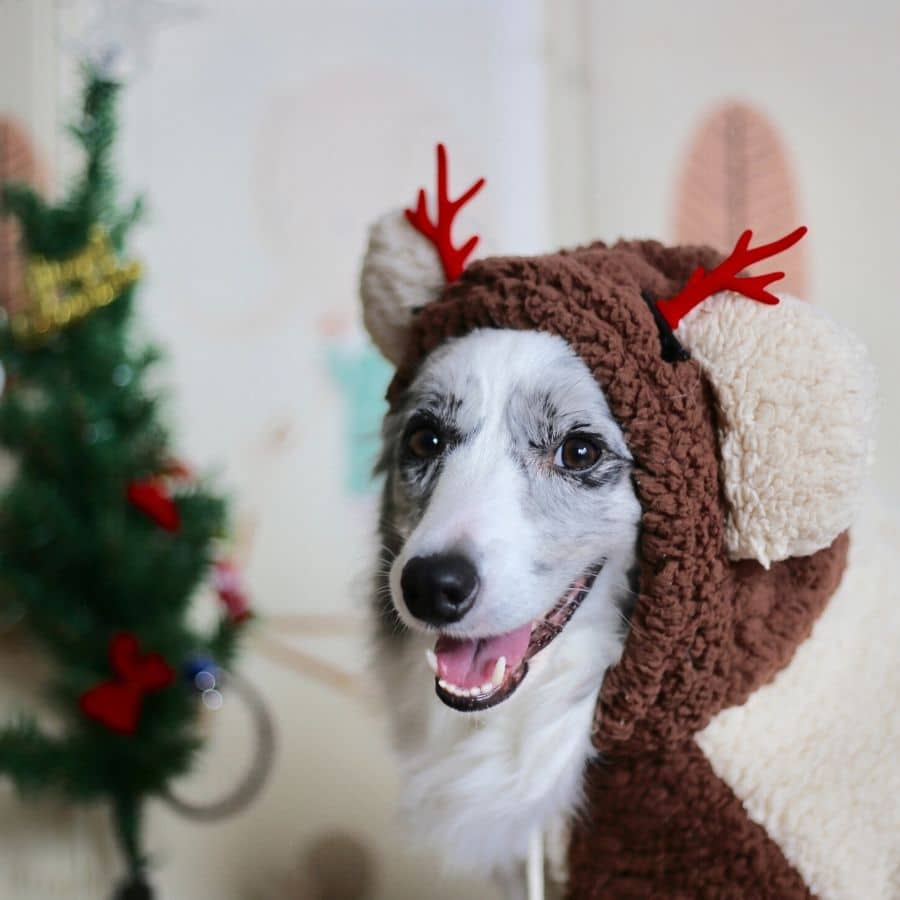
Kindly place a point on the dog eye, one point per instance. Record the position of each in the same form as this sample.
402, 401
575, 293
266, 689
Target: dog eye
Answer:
577, 453
425, 443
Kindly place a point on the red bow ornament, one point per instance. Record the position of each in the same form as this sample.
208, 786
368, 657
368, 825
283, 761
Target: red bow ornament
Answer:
151, 496
117, 703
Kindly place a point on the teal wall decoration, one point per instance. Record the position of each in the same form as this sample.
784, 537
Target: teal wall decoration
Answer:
362, 375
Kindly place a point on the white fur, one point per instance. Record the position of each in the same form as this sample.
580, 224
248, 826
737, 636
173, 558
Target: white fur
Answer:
815, 755
401, 271
795, 395
475, 785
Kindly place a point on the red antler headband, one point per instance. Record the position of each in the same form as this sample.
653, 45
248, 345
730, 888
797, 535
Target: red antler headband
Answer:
724, 277
453, 259
672, 310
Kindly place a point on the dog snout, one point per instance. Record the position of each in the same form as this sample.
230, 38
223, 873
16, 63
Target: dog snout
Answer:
439, 589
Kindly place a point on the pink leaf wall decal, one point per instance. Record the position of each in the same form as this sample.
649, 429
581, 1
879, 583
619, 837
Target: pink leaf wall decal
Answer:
735, 175
18, 162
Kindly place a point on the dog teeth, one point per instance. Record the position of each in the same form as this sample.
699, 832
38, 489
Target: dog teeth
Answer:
483, 690
452, 688
457, 691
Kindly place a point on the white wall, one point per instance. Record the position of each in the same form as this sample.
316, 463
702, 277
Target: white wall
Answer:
28, 67
828, 75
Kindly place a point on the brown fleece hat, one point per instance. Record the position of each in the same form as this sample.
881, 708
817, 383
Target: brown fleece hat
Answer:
706, 631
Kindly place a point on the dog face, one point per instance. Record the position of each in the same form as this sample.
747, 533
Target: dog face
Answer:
508, 488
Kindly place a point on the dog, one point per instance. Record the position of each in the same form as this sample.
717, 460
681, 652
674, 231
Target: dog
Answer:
619, 481
508, 525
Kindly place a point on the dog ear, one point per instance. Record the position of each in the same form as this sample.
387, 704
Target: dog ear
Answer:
795, 403
411, 256
401, 272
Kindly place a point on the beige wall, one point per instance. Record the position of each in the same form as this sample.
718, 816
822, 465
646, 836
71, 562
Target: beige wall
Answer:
827, 75
28, 66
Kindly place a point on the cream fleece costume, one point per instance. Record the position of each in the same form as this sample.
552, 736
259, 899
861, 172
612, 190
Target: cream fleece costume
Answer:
748, 735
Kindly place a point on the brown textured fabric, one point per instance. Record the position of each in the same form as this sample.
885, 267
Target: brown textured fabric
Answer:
697, 843
706, 631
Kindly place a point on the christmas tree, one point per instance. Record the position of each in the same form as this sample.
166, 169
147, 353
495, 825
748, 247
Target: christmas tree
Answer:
104, 537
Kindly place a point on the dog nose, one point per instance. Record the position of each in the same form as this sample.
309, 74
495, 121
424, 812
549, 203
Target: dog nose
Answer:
439, 589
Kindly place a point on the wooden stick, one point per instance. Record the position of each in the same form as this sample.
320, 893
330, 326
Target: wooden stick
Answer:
309, 665
310, 623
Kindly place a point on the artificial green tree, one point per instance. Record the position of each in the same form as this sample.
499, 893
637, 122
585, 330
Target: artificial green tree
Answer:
103, 539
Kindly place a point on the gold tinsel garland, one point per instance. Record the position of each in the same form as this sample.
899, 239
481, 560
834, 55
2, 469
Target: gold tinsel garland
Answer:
60, 292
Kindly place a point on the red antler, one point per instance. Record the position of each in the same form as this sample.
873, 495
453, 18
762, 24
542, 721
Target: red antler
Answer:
703, 284
453, 259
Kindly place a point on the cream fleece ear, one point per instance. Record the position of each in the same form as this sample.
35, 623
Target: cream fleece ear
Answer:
795, 397
401, 272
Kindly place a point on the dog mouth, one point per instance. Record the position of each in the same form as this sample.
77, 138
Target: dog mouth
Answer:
472, 674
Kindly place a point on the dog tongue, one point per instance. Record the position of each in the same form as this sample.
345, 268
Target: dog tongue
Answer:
470, 663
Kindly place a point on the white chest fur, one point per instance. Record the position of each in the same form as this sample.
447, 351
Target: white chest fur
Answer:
475, 786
